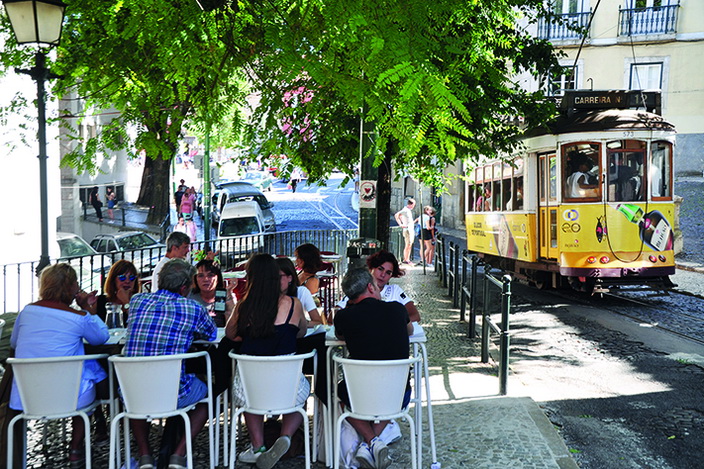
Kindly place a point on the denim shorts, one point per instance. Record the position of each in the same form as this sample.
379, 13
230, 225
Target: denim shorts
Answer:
199, 390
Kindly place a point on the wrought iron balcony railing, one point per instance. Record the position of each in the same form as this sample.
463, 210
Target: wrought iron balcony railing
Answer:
563, 27
651, 20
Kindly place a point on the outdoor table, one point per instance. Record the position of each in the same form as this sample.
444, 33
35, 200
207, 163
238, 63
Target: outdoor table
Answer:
417, 342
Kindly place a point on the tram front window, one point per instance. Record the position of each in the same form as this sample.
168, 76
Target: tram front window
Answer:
581, 175
660, 170
626, 171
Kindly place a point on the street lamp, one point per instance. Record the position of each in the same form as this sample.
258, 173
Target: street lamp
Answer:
38, 22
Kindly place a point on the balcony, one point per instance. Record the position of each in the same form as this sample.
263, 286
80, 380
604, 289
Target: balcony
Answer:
565, 27
648, 21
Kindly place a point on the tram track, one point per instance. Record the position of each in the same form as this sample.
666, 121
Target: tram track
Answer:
665, 314
326, 209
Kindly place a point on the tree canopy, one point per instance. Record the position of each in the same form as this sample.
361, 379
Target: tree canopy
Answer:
435, 78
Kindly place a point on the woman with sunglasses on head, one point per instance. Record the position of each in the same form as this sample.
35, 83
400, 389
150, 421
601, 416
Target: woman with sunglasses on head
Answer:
121, 283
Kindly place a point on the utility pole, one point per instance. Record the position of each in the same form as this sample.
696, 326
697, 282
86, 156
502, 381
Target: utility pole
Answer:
368, 175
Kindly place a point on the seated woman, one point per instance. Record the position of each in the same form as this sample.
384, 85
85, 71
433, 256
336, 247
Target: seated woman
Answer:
383, 266
293, 288
50, 327
268, 325
121, 283
309, 263
206, 282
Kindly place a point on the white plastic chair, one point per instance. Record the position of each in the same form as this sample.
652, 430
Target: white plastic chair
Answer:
49, 390
149, 387
375, 389
270, 388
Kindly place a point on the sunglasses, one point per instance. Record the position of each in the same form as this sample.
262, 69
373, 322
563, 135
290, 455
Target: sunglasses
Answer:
124, 277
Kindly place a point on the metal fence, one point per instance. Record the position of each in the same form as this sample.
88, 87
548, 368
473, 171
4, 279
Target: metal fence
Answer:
478, 295
566, 26
20, 286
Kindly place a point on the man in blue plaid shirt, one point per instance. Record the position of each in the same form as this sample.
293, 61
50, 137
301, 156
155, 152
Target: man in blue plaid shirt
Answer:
167, 323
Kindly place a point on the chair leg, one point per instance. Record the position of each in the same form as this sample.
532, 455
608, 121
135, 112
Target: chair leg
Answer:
10, 438
189, 449
86, 439
114, 440
414, 459
233, 439
306, 436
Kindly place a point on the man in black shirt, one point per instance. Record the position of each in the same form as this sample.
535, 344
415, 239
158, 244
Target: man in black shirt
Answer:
373, 330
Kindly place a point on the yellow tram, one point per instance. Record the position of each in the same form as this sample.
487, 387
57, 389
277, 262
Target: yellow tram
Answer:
589, 201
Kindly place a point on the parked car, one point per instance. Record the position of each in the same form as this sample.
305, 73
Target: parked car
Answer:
140, 248
262, 180
241, 230
242, 192
90, 266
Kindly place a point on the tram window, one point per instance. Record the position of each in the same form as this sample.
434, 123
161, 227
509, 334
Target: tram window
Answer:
626, 170
581, 171
495, 199
660, 170
542, 178
553, 178
515, 202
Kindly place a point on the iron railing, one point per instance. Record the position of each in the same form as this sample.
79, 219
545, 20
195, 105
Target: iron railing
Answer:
651, 20
20, 286
564, 27
478, 293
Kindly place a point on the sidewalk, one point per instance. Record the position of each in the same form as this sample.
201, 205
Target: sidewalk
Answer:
474, 426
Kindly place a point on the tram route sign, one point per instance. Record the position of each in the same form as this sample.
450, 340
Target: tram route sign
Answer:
576, 100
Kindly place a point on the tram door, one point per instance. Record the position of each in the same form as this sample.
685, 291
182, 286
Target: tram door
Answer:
547, 212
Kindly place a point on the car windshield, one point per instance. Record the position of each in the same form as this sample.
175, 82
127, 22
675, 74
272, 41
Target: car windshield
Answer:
238, 226
260, 199
136, 241
72, 247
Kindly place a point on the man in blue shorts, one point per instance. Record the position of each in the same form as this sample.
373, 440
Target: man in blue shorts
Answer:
166, 323
373, 330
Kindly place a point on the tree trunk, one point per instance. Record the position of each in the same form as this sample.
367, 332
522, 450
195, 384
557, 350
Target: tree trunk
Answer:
155, 191
383, 193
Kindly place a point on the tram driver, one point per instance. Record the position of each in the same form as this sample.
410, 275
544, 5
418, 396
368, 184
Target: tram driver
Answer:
577, 184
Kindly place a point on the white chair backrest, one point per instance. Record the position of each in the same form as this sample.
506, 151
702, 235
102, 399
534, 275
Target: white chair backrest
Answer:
270, 383
376, 387
2, 326
48, 386
149, 385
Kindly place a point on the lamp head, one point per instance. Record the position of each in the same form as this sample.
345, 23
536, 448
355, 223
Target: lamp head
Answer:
36, 21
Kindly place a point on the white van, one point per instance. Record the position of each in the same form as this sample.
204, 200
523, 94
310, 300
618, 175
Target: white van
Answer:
240, 219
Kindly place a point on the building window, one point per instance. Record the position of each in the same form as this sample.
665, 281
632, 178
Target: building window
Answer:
563, 80
646, 76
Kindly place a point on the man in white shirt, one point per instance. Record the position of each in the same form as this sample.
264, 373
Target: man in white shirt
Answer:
178, 245
405, 220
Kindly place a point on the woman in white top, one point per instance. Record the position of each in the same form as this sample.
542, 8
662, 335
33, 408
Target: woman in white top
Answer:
302, 293
383, 266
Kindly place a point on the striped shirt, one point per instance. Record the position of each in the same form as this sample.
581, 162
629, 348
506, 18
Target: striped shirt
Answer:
165, 323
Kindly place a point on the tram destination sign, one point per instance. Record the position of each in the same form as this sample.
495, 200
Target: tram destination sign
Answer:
575, 100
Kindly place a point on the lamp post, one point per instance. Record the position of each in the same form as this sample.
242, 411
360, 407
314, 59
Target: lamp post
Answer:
38, 22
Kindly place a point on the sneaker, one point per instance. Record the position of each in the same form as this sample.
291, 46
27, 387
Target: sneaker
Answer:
269, 458
381, 453
77, 459
101, 439
250, 456
364, 456
178, 462
391, 433
146, 462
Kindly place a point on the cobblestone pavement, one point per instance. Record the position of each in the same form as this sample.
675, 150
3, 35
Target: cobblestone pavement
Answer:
474, 427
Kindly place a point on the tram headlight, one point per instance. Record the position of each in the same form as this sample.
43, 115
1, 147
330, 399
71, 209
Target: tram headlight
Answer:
591, 260
662, 257
604, 259
652, 258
